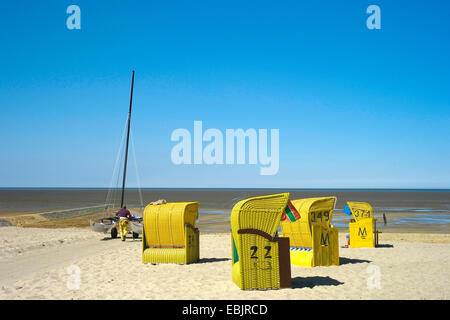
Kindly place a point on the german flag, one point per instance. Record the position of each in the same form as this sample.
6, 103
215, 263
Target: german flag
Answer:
290, 213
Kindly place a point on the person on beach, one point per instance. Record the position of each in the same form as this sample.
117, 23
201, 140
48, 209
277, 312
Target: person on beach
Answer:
347, 237
124, 216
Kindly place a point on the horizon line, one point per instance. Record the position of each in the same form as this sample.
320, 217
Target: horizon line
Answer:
226, 188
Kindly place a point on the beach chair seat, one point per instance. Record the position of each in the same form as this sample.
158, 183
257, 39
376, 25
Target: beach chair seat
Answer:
363, 230
260, 259
169, 234
313, 240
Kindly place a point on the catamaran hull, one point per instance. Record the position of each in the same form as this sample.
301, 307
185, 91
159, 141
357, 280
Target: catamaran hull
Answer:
102, 227
136, 227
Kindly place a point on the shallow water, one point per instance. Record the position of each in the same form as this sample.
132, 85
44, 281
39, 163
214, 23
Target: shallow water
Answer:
406, 210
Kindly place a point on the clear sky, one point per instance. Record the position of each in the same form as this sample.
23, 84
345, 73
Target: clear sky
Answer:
356, 108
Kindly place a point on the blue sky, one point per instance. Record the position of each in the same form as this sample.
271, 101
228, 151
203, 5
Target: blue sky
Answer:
356, 108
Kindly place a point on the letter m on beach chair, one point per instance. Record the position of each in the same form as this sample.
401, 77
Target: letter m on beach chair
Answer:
363, 230
260, 259
169, 234
314, 241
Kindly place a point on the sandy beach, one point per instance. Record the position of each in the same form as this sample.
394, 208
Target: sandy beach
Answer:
38, 263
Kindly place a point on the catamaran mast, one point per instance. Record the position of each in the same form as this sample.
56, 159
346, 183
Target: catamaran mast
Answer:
128, 138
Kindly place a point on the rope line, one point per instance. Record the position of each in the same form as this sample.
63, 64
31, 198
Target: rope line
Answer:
111, 196
113, 190
136, 168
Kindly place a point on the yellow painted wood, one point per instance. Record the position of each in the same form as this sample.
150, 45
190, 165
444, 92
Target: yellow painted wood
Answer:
313, 240
255, 259
363, 229
166, 236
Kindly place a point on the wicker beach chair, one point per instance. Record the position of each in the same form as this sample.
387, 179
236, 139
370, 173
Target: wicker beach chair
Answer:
314, 241
169, 234
363, 229
260, 259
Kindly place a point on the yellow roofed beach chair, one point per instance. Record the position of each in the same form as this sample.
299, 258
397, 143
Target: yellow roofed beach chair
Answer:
260, 259
314, 242
363, 230
169, 234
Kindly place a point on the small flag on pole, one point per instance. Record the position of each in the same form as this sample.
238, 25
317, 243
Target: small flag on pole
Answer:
290, 213
347, 210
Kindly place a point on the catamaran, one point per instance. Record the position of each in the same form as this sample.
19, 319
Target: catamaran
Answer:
110, 224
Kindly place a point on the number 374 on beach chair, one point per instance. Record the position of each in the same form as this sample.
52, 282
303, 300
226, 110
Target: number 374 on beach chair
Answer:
363, 227
314, 241
260, 259
169, 234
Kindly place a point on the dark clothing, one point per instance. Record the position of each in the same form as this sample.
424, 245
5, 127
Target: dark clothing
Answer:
124, 213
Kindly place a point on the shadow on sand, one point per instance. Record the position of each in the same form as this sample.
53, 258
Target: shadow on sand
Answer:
209, 260
109, 238
128, 239
384, 246
351, 261
311, 282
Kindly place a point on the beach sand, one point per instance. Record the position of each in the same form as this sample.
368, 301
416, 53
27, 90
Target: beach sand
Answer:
35, 263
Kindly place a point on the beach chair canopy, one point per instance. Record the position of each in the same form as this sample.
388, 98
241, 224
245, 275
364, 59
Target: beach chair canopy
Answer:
359, 210
262, 213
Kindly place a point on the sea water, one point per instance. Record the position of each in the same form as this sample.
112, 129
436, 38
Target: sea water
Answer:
429, 209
